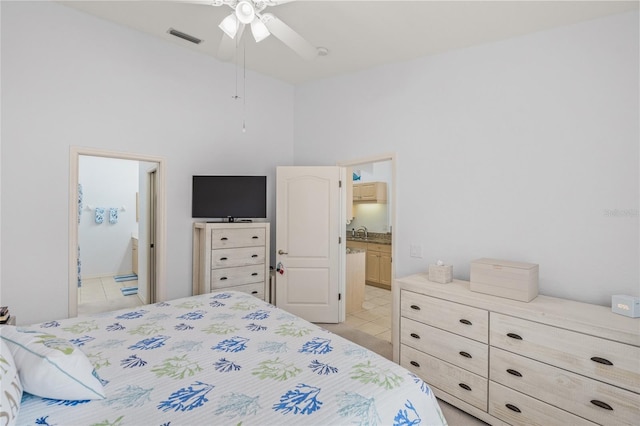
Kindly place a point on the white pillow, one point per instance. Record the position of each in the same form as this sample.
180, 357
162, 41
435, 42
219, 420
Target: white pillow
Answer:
51, 367
11, 389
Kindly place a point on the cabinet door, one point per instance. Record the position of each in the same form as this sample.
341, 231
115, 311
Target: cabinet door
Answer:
373, 266
368, 191
385, 268
357, 193
134, 255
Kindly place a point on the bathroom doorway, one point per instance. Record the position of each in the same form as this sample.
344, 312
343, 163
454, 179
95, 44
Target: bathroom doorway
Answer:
148, 207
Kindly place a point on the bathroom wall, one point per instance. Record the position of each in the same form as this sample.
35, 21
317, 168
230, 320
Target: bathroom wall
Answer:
375, 216
105, 248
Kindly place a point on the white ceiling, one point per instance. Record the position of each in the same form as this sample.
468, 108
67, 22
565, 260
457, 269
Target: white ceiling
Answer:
359, 34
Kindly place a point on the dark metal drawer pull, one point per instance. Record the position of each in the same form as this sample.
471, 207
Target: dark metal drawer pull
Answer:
465, 321
254, 292
415, 364
465, 354
254, 274
254, 255
415, 336
416, 307
514, 372
223, 258
464, 386
601, 360
223, 278
513, 408
223, 239
255, 237
601, 404
514, 336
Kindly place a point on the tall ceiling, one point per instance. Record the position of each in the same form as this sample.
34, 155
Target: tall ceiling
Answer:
358, 34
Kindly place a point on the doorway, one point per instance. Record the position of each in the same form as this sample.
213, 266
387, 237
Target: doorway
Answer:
150, 211
376, 316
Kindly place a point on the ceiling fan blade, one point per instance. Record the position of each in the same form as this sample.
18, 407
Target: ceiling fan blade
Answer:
203, 2
288, 36
278, 2
227, 46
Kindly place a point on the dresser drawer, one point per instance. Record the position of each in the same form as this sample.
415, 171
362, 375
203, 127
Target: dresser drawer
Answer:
521, 410
612, 362
456, 381
229, 257
227, 277
599, 402
242, 237
255, 289
459, 319
457, 350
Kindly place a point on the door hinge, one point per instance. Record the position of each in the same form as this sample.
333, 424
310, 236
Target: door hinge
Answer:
339, 240
339, 184
339, 296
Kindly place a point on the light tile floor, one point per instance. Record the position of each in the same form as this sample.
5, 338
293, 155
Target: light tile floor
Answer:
103, 294
375, 316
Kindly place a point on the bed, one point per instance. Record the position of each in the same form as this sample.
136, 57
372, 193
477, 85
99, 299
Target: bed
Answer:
219, 358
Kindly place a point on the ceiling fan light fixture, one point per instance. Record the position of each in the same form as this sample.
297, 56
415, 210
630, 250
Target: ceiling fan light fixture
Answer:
245, 12
230, 25
259, 30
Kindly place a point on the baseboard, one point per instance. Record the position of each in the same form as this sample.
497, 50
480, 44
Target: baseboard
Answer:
373, 284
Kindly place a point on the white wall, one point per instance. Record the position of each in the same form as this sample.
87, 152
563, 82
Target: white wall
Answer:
70, 79
519, 150
105, 248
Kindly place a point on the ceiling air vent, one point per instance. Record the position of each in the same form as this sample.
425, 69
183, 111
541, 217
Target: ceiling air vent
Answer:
184, 36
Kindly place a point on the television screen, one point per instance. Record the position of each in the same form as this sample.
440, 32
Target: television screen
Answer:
229, 197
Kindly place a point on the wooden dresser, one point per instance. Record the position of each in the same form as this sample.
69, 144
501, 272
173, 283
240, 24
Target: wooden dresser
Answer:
546, 362
231, 256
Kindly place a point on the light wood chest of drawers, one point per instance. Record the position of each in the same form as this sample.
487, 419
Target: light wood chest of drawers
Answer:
547, 362
231, 256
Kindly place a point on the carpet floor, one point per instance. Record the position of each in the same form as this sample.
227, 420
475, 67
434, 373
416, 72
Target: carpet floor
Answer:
379, 346
454, 416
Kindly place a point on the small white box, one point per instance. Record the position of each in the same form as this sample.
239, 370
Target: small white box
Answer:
504, 278
441, 273
625, 305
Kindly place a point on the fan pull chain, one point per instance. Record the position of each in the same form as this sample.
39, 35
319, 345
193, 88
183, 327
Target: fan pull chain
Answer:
244, 84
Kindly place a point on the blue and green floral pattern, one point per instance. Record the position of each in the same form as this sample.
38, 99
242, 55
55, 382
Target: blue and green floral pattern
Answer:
228, 358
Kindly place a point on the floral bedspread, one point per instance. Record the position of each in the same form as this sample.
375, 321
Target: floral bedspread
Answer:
229, 358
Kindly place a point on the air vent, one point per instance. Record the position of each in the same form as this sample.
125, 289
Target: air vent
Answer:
184, 36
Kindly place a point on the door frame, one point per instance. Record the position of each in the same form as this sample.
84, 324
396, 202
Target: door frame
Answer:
395, 292
74, 157
152, 237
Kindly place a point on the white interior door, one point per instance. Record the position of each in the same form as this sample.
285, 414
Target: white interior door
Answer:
310, 246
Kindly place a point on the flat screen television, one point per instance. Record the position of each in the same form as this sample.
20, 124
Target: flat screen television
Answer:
229, 197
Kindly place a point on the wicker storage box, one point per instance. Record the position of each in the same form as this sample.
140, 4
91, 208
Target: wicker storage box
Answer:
504, 278
441, 273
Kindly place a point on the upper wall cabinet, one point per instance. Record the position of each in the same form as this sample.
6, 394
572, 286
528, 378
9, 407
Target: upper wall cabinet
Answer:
370, 192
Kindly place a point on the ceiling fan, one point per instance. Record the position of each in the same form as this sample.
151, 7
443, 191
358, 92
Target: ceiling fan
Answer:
250, 12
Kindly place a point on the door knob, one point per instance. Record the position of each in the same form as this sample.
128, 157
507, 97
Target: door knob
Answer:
282, 252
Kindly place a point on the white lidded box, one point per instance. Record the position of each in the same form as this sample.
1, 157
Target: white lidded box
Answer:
505, 278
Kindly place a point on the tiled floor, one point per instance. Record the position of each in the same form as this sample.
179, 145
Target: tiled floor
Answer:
375, 316
103, 294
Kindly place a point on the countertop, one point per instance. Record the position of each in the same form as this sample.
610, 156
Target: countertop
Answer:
375, 240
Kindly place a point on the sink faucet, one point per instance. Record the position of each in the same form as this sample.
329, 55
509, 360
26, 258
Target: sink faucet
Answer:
363, 229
